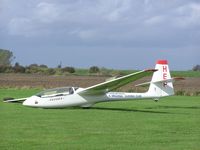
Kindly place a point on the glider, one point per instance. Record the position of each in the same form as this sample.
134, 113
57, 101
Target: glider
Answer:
161, 85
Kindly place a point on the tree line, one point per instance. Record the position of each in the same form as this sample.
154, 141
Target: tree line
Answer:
196, 68
6, 58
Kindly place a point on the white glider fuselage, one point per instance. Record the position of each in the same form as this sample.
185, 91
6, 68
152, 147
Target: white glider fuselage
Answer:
86, 101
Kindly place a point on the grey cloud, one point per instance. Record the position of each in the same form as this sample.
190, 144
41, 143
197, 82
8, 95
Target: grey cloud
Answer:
103, 15
110, 24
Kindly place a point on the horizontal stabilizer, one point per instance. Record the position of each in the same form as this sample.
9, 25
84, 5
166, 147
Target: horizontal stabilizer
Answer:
161, 81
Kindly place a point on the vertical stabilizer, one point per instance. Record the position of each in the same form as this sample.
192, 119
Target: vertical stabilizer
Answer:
160, 85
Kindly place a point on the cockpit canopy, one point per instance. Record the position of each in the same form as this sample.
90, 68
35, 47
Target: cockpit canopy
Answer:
57, 92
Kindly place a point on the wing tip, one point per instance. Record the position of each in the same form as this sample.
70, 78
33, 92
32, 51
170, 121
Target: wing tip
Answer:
151, 70
6, 99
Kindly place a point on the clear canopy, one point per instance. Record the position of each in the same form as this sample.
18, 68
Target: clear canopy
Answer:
57, 92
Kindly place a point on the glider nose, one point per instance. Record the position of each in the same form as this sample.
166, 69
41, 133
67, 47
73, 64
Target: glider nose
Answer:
26, 103
30, 102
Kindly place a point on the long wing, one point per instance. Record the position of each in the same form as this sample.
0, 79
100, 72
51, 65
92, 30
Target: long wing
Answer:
108, 86
12, 100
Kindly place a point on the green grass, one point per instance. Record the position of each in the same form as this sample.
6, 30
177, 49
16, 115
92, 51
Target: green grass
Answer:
17, 92
170, 124
186, 73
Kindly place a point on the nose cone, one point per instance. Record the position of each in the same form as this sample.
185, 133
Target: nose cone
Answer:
31, 102
27, 103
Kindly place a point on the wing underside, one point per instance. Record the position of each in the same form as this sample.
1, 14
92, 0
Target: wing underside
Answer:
108, 86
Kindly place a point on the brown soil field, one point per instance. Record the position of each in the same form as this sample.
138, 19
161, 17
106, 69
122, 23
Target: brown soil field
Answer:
189, 85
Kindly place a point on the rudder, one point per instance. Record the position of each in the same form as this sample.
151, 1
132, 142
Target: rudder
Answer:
161, 83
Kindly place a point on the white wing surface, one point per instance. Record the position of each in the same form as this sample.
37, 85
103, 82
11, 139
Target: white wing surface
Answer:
108, 86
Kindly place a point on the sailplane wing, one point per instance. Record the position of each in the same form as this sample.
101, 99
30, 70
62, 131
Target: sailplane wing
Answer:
12, 100
108, 86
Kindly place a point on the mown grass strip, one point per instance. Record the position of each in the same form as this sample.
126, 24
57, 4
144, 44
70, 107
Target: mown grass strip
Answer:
172, 123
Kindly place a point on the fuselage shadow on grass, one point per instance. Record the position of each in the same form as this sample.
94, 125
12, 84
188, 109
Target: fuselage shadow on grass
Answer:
173, 107
128, 110
111, 109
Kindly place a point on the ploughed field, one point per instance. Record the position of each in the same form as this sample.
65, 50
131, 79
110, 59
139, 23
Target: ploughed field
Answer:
189, 85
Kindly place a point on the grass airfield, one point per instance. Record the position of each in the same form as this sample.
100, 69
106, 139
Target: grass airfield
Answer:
172, 123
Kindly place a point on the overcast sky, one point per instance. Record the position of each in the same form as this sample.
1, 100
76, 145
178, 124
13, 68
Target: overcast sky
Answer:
119, 34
